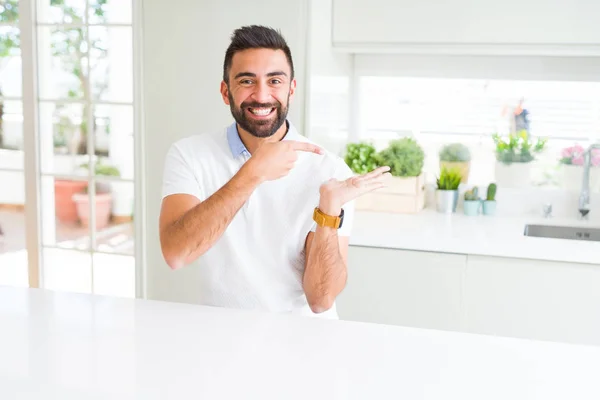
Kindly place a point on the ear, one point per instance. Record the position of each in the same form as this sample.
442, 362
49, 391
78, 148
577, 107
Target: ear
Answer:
225, 92
292, 89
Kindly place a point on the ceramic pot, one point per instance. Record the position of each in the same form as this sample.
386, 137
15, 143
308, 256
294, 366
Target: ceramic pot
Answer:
446, 201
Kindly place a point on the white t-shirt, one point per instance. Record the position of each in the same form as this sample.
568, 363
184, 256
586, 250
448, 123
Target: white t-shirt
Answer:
259, 261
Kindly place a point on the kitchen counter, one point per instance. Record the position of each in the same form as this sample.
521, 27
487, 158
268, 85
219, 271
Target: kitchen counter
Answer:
476, 235
72, 346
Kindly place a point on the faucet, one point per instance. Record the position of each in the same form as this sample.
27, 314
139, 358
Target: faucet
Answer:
584, 196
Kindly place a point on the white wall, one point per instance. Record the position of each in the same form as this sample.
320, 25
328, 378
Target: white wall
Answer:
323, 61
183, 50
328, 76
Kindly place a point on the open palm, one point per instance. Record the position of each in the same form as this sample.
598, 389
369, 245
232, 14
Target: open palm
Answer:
342, 192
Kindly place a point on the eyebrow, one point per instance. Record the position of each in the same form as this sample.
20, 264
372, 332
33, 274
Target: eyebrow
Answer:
252, 75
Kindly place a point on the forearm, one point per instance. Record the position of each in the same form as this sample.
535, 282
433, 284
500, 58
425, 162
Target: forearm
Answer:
196, 231
325, 272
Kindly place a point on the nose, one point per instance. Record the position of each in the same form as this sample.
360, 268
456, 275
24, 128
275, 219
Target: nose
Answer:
262, 93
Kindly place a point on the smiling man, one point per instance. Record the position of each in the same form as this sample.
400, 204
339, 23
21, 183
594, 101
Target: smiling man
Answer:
265, 212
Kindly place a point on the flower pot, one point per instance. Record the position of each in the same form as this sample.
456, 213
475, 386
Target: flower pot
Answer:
122, 201
513, 175
471, 207
65, 208
463, 166
103, 204
489, 207
446, 201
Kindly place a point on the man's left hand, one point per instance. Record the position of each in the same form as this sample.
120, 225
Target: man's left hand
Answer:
335, 193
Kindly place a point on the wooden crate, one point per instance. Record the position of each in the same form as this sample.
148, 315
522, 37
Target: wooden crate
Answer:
402, 195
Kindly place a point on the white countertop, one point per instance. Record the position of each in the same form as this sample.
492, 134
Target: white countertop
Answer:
68, 346
477, 235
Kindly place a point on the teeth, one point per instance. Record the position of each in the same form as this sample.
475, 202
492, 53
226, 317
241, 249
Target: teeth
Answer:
260, 111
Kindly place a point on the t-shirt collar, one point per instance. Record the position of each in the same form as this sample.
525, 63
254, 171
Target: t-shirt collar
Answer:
238, 148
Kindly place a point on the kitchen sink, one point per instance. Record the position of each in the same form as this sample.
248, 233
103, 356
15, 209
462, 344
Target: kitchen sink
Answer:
563, 232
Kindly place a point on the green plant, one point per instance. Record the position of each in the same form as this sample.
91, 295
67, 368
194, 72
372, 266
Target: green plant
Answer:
517, 148
472, 195
360, 157
404, 157
455, 152
102, 169
449, 179
491, 192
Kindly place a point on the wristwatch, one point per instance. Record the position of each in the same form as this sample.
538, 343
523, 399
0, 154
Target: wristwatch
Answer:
328, 221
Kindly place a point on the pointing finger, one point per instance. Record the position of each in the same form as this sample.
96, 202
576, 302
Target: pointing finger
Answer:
305, 146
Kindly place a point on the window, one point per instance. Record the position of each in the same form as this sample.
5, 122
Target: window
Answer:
436, 111
85, 105
13, 254
329, 118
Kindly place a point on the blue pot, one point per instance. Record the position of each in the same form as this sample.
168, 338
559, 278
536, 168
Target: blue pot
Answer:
489, 207
471, 207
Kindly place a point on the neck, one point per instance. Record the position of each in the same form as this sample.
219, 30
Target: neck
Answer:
252, 142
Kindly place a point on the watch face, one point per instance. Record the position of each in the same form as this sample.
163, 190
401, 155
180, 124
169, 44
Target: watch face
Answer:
341, 219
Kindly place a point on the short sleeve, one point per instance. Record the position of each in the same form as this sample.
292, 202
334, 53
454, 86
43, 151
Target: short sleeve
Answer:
343, 172
178, 175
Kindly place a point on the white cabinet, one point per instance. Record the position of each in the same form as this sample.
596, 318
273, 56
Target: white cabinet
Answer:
533, 299
438, 25
540, 300
407, 288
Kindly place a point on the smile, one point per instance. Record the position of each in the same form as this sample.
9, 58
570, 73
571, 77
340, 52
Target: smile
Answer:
261, 112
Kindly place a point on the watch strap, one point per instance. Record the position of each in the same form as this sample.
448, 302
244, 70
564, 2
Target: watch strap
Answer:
326, 220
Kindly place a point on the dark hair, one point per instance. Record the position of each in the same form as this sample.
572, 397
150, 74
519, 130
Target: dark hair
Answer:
255, 37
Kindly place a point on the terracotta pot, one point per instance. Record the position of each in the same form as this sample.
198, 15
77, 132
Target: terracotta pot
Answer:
103, 205
65, 208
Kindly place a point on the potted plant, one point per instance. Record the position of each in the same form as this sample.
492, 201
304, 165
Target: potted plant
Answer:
513, 158
456, 155
103, 197
472, 202
360, 157
405, 191
489, 204
447, 190
65, 162
571, 162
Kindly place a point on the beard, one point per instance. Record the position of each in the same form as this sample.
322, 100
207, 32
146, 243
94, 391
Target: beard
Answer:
259, 128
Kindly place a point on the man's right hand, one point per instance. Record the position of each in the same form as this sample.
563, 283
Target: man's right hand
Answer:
273, 160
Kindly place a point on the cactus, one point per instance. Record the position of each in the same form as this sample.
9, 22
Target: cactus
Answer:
472, 195
491, 192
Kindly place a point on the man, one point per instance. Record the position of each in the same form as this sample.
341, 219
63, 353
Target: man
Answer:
258, 204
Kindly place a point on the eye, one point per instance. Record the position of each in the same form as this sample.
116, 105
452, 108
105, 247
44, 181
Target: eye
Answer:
276, 81
246, 82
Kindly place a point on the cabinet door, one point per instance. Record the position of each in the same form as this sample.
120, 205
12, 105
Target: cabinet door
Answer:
408, 288
533, 299
451, 22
